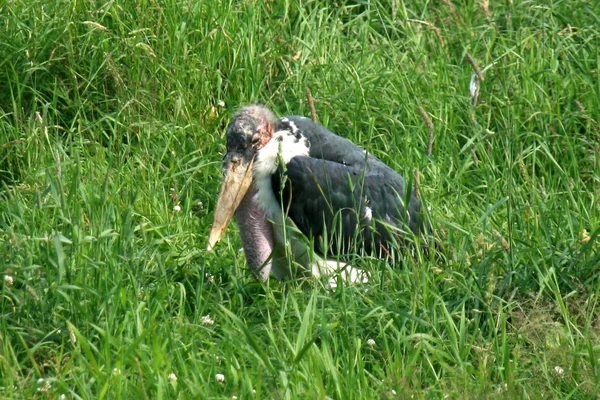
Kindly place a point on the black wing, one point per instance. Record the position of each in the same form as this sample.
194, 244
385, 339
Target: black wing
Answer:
344, 198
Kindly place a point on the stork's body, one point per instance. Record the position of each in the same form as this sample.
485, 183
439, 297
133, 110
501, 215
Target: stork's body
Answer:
289, 179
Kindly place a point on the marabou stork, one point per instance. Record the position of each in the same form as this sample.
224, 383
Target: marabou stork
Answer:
294, 184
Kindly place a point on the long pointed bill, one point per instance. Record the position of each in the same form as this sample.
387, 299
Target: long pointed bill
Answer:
238, 179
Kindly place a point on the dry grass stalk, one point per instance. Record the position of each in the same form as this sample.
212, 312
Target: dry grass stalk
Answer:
417, 183
437, 31
95, 25
311, 105
476, 68
475, 158
454, 11
503, 241
485, 6
13, 143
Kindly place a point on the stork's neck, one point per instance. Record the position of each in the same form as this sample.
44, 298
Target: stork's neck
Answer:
256, 233
285, 144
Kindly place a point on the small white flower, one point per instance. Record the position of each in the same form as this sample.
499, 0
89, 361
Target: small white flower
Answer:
172, 378
207, 320
210, 279
177, 208
44, 385
370, 342
116, 371
502, 387
62, 397
559, 370
221, 103
234, 397
220, 377
393, 392
8, 280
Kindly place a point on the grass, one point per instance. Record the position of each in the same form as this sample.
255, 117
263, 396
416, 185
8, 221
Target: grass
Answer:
112, 113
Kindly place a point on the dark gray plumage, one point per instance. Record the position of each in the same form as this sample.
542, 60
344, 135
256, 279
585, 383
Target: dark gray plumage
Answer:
341, 191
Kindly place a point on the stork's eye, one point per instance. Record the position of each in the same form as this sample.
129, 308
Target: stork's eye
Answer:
255, 140
235, 159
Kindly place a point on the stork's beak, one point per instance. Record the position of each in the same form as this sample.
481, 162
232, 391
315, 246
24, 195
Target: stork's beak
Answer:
237, 181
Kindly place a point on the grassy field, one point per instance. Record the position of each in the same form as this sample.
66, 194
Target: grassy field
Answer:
112, 117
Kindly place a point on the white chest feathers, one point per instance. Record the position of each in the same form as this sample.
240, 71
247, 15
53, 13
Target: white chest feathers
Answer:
283, 146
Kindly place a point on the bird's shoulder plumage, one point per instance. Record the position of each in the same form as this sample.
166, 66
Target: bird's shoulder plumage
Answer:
340, 185
324, 144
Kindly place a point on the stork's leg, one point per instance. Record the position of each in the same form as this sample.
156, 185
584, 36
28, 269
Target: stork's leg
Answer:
290, 257
293, 257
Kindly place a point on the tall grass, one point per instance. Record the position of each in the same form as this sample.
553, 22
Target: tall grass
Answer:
112, 113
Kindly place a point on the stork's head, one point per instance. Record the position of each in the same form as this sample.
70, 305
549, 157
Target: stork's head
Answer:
249, 131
